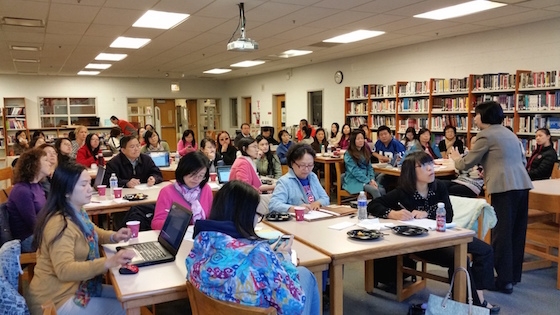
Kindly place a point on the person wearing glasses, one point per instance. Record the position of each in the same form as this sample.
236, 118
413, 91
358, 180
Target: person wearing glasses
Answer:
131, 167
244, 167
300, 186
226, 151
191, 190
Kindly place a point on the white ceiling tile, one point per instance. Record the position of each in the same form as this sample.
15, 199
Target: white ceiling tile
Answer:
188, 7
302, 2
110, 16
306, 16
143, 5
24, 9
298, 33
56, 27
24, 37
340, 19
402, 24
111, 31
271, 11
372, 23
337, 4
96, 3
521, 18
62, 39
385, 6
423, 6
27, 67
491, 14
539, 4
431, 27
226, 9
72, 13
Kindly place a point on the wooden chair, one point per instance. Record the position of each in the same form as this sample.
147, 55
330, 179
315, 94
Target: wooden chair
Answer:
30, 260
555, 171
340, 169
201, 304
285, 169
6, 177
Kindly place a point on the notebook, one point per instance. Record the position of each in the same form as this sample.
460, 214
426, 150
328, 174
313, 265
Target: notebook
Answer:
170, 238
223, 173
99, 177
160, 158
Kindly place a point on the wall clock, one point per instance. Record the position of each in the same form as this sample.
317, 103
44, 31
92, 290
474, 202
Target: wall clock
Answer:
338, 77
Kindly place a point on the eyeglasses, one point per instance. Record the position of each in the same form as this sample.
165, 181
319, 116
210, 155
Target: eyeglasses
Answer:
309, 167
198, 176
224, 139
137, 146
426, 165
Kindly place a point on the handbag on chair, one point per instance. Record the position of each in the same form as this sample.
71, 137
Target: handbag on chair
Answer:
445, 306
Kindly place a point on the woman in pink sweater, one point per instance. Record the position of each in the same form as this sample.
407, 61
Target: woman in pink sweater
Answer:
191, 190
244, 168
187, 143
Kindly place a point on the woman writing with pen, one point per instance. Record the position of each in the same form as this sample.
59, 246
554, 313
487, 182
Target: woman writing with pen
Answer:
300, 186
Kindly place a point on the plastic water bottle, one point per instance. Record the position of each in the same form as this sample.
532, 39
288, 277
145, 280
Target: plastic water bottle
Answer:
113, 183
362, 206
440, 217
322, 148
329, 149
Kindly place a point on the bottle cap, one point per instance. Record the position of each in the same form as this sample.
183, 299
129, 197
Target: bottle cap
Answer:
441, 205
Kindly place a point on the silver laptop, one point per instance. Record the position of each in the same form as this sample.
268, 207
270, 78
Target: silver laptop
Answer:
170, 238
160, 158
99, 177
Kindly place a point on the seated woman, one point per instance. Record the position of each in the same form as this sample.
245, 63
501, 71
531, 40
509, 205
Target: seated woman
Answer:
345, 137
306, 135
187, 143
450, 142
541, 162
153, 143
63, 147
469, 183
320, 141
416, 197
27, 196
69, 270
268, 163
244, 168
422, 143
52, 157
36, 142
226, 150
300, 186
208, 147
20, 142
114, 142
335, 134
191, 190
80, 135
409, 137
141, 133
263, 277
88, 154
359, 173
284, 146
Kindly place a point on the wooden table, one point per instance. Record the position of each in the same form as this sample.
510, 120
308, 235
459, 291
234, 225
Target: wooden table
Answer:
441, 170
327, 161
168, 172
341, 249
167, 282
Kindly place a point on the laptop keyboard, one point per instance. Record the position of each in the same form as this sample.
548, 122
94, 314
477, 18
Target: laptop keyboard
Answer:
150, 251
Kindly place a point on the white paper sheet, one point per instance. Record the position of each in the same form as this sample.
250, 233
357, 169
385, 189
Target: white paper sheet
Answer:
342, 225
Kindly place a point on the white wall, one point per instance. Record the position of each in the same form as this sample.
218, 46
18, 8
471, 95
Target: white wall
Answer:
533, 46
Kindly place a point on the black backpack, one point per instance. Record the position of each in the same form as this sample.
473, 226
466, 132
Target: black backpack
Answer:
5, 232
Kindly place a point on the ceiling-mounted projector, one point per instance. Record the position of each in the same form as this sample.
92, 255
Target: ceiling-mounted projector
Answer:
242, 43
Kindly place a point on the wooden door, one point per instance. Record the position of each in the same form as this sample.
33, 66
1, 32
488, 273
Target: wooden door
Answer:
279, 110
248, 111
192, 117
167, 121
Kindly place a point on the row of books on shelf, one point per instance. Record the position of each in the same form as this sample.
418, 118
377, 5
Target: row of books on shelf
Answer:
416, 123
414, 105
415, 88
14, 111
493, 81
355, 122
539, 79
380, 90
378, 120
357, 108
383, 106
458, 121
531, 124
450, 85
449, 103
531, 144
14, 123
357, 92
506, 100
542, 101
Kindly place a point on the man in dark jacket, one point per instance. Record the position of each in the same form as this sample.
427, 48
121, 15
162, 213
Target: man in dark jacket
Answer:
131, 167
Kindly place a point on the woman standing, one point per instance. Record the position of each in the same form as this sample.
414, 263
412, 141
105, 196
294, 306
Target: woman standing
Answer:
344, 142
320, 140
226, 150
153, 143
284, 146
359, 173
89, 153
80, 133
541, 163
335, 134
507, 182
268, 163
27, 196
244, 168
191, 190
69, 269
450, 142
187, 143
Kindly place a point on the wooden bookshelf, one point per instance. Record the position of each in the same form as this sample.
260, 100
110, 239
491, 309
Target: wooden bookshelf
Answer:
14, 119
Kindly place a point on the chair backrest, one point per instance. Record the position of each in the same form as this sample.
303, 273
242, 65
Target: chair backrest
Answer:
555, 171
202, 304
6, 176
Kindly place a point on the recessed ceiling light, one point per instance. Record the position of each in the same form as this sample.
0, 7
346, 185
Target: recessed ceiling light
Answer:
247, 63
88, 72
25, 48
101, 66
353, 36
294, 53
129, 42
22, 22
160, 20
27, 60
460, 10
110, 57
217, 71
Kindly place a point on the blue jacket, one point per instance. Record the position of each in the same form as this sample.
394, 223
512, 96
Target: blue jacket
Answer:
289, 192
281, 151
418, 147
357, 174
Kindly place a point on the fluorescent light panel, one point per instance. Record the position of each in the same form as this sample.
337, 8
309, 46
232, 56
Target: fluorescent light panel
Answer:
160, 20
217, 71
460, 10
110, 57
247, 63
27, 60
101, 66
25, 48
129, 42
12, 21
353, 36
294, 53
88, 72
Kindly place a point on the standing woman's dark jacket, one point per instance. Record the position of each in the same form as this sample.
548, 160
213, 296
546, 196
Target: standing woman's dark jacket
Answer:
541, 163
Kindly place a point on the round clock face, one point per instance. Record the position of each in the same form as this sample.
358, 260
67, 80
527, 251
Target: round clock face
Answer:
338, 77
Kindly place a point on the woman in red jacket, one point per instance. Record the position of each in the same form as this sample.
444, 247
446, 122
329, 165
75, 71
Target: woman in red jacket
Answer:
88, 154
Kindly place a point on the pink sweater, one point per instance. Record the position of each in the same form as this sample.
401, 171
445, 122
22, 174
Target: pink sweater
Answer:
169, 194
244, 170
184, 149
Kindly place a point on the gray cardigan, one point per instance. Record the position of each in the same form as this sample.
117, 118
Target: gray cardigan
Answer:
500, 153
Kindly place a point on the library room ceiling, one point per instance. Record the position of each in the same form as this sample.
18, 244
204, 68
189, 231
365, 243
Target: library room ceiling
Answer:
67, 35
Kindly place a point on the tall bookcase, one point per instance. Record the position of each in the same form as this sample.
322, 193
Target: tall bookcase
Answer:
15, 119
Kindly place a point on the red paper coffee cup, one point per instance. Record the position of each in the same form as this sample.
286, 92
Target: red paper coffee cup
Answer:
101, 190
134, 227
118, 192
300, 211
213, 177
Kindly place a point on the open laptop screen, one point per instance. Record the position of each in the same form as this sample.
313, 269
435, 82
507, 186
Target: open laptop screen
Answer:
99, 177
174, 228
223, 173
160, 158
